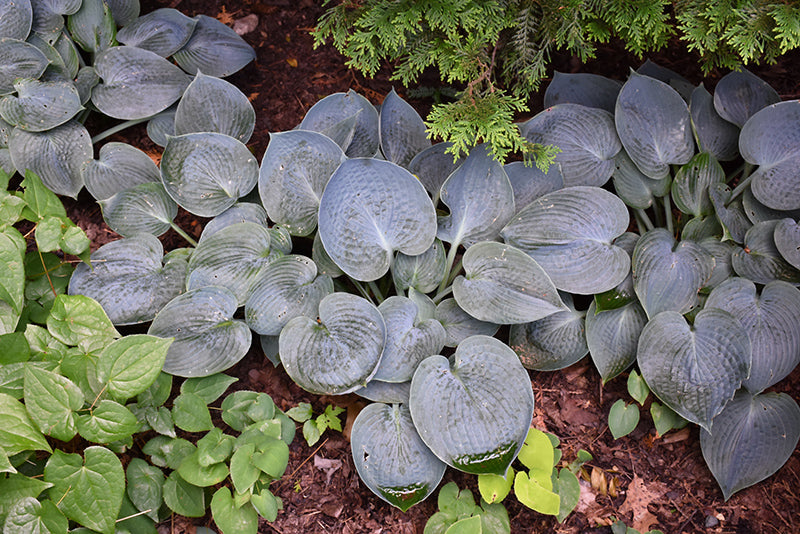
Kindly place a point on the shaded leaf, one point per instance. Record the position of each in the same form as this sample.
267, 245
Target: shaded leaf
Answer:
40, 106
210, 104
740, 94
403, 134
142, 209
163, 31
348, 119
214, 48
715, 135
586, 89
120, 166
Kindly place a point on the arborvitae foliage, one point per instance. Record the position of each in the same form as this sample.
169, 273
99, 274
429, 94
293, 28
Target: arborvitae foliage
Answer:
498, 51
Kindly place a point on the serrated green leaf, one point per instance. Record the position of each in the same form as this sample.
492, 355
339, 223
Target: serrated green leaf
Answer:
129, 365
17, 431
29, 515
76, 317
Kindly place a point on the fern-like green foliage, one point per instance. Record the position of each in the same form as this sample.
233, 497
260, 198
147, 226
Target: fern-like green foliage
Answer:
498, 51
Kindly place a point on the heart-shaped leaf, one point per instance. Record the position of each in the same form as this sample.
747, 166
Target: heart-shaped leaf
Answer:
92, 26
403, 133
238, 213
161, 126
207, 338
740, 94
294, 172
145, 208
206, 173
339, 352
108, 421
387, 392
119, 167
695, 370
234, 257
40, 106
136, 83
787, 241
715, 135
19, 59
52, 401
776, 181
771, 320
570, 234
760, 260
409, 339
503, 285
210, 104
730, 213
88, 490
288, 287
751, 439
612, 337
553, 342
460, 325
17, 431
144, 486
722, 251
667, 275
654, 125
162, 31
17, 19
486, 424
56, 155
432, 166
30, 515
589, 90
391, 458
635, 188
480, 199
690, 186
683, 86
587, 139
369, 210
529, 182
214, 48
129, 365
348, 119
131, 278
757, 212
622, 418
424, 272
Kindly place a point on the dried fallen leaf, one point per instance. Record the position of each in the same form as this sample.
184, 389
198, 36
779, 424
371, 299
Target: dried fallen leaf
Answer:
636, 501
674, 437
224, 17
291, 61
599, 482
328, 466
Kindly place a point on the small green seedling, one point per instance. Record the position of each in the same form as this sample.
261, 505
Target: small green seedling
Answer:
458, 514
313, 428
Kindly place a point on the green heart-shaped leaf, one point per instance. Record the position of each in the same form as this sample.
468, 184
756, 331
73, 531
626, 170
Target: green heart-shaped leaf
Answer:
589, 90
207, 338
129, 365
119, 167
486, 424
162, 31
210, 104
40, 106
690, 186
622, 418
696, 369
424, 272
751, 439
107, 422
214, 48
51, 401
403, 133
29, 515
715, 135
349, 119
142, 209
391, 458
145, 486
19, 59
740, 94
612, 337
92, 26
232, 519
184, 498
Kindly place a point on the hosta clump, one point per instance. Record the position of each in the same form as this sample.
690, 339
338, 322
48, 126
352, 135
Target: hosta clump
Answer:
59, 60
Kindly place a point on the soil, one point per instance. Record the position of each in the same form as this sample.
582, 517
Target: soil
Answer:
648, 481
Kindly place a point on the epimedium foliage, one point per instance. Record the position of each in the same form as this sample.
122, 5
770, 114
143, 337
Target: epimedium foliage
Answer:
498, 51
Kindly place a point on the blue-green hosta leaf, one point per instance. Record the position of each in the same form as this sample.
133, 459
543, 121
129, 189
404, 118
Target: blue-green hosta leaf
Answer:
131, 278
760, 260
347, 118
694, 369
730, 213
238, 213
339, 352
654, 125
722, 251
503, 285
57, 70
68, 50
587, 139
589, 90
553, 342
613, 337
403, 134
623, 293
214, 48
635, 188
207, 338
570, 233
288, 287
325, 264
473, 410
92, 26
211, 104
751, 439
757, 212
19, 59
776, 181
388, 392
47, 14
715, 135
409, 339
85, 83
163, 31
690, 186
16, 20
88, 490
369, 210
771, 320
119, 167
6, 165
529, 182
145, 208
740, 94
294, 172
234, 257
56, 155
424, 272
683, 86
124, 11
136, 83
668, 275
480, 200
460, 325
206, 173
787, 241
29, 515
40, 106
391, 458
432, 166
162, 126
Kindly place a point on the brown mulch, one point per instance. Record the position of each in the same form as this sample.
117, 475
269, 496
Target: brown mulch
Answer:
649, 482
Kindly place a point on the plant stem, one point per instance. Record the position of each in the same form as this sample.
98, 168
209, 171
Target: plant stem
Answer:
376, 291
183, 234
451, 259
668, 213
362, 290
643, 220
118, 128
747, 177
442, 294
